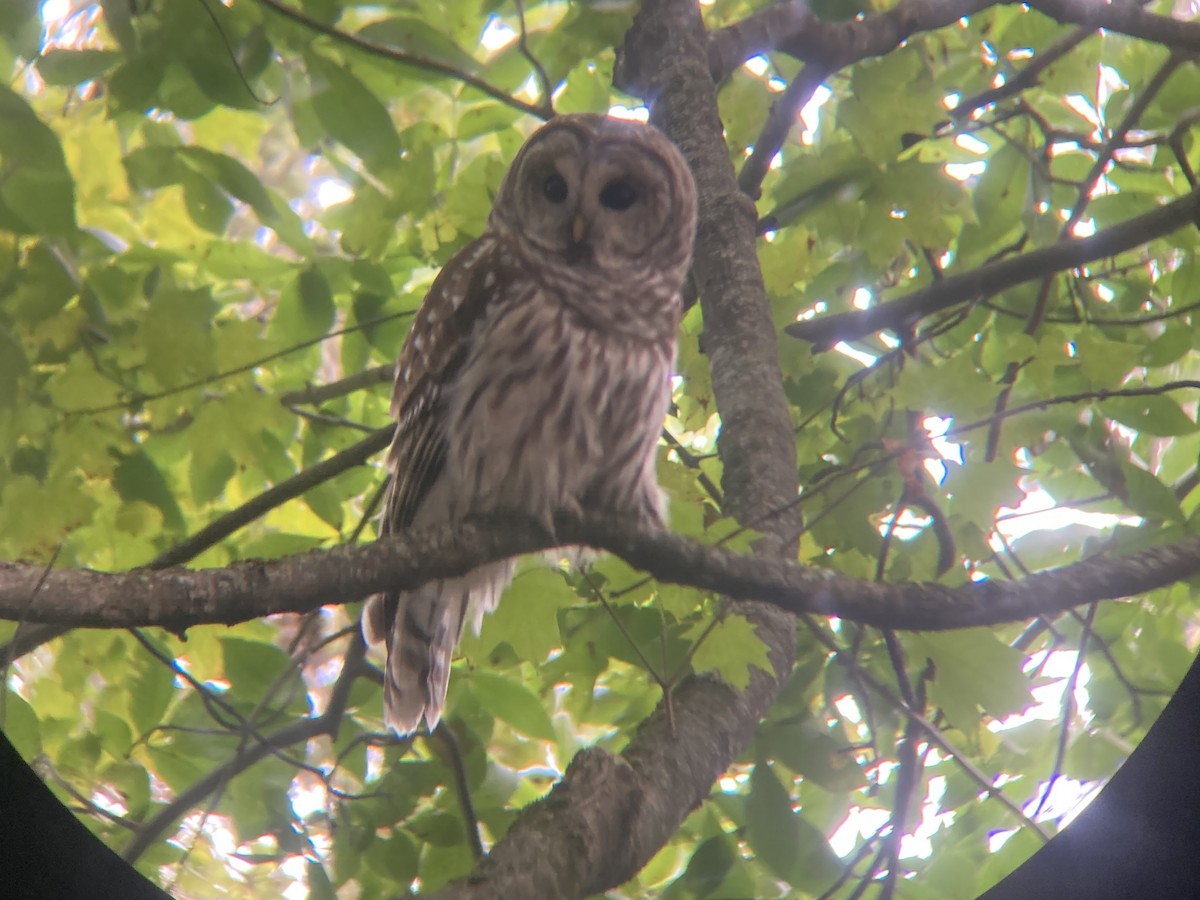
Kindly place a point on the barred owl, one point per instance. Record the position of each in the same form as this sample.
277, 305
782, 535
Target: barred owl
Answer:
536, 374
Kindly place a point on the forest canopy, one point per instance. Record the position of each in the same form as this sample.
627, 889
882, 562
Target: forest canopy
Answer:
931, 455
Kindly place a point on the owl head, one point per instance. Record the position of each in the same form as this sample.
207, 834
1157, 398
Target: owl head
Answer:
594, 192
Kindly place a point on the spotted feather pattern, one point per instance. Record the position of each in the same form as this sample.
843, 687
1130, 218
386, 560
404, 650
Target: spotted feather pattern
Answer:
531, 382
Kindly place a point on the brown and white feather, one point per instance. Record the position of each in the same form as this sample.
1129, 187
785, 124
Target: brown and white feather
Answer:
535, 377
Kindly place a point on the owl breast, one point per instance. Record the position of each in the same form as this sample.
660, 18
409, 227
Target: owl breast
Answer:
554, 413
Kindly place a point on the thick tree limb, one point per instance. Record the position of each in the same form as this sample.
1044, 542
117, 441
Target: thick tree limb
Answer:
29, 636
793, 28
609, 816
994, 277
1125, 18
178, 598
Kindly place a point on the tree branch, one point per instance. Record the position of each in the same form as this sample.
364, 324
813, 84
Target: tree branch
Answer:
1081, 397
792, 28
305, 729
779, 122
30, 636
178, 598
1027, 77
992, 278
1125, 18
543, 110
354, 455
316, 394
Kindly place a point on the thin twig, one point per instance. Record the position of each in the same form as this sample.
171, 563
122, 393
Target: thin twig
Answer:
1027, 77
449, 741
992, 278
545, 88
233, 60
139, 398
1068, 710
314, 395
1081, 397
779, 122
403, 57
302, 730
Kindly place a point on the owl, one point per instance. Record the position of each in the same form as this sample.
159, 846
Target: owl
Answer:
536, 375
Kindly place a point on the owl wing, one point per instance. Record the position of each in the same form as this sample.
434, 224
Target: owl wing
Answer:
437, 344
422, 627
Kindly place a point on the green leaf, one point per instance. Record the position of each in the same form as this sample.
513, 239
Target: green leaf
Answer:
973, 669
37, 192
135, 83
238, 181
150, 692
707, 868
1148, 496
319, 885
21, 725
510, 701
414, 35
485, 118
238, 259
527, 620
67, 68
730, 649
586, 90
397, 857
251, 666
811, 751
45, 285
13, 367
1156, 414
206, 203
76, 387
138, 478
781, 838
306, 309
352, 114
1000, 199
1168, 347
21, 26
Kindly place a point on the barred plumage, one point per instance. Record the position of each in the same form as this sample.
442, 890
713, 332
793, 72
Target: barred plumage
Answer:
537, 372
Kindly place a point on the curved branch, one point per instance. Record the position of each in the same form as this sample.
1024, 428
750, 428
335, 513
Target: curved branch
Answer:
316, 394
1081, 397
416, 60
992, 278
1026, 77
792, 28
354, 455
1125, 18
305, 729
178, 598
779, 122
30, 635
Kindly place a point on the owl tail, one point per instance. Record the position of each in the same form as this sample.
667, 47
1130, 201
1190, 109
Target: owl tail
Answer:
421, 635
421, 629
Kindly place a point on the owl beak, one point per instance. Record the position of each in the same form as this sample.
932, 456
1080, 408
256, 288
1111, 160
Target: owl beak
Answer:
579, 229
579, 250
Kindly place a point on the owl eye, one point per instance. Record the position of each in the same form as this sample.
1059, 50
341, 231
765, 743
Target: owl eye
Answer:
554, 188
618, 195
